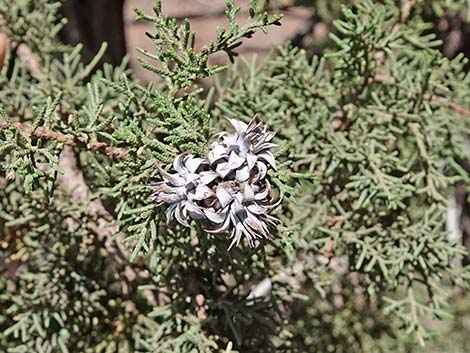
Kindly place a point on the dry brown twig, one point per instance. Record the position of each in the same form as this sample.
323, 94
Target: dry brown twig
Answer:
404, 14
73, 182
32, 62
427, 97
452, 105
341, 122
47, 134
3, 47
406, 9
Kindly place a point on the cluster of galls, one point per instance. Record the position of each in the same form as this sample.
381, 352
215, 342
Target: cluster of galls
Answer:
229, 189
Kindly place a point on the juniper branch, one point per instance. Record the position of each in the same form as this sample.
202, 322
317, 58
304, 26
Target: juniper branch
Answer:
452, 105
427, 97
47, 134
73, 182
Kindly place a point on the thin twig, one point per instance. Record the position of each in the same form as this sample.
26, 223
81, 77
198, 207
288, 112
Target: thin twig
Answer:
404, 14
406, 9
428, 97
46, 134
3, 47
72, 181
452, 105
342, 123
206, 13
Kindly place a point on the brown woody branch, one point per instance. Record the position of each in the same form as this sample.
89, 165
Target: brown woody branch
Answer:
406, 9
404, 14
341, 122
32, 61
427, 97
72, 181
46, 134
3, 47
452, 105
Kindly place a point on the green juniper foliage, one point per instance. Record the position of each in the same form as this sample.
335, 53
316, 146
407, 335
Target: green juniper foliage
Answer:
372, 135
379, 129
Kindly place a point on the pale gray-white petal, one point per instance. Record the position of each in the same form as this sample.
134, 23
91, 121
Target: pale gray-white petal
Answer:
242, 174
216, 153
234, 162
191, 178
193, 163
216, 217
262, 171
268, 157
194, 211
236, 236
174, 179
239, 126
223, 195
170, 212
222, 228
264, 193
237, 207
170, 198
207, 177
257, 209
180, 217
222, 171
263, 146
251, 160
248, 192
256, 225
203, 192
178, 163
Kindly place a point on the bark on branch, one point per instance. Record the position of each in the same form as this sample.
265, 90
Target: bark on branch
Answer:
427, 97
73, 182
46, 134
